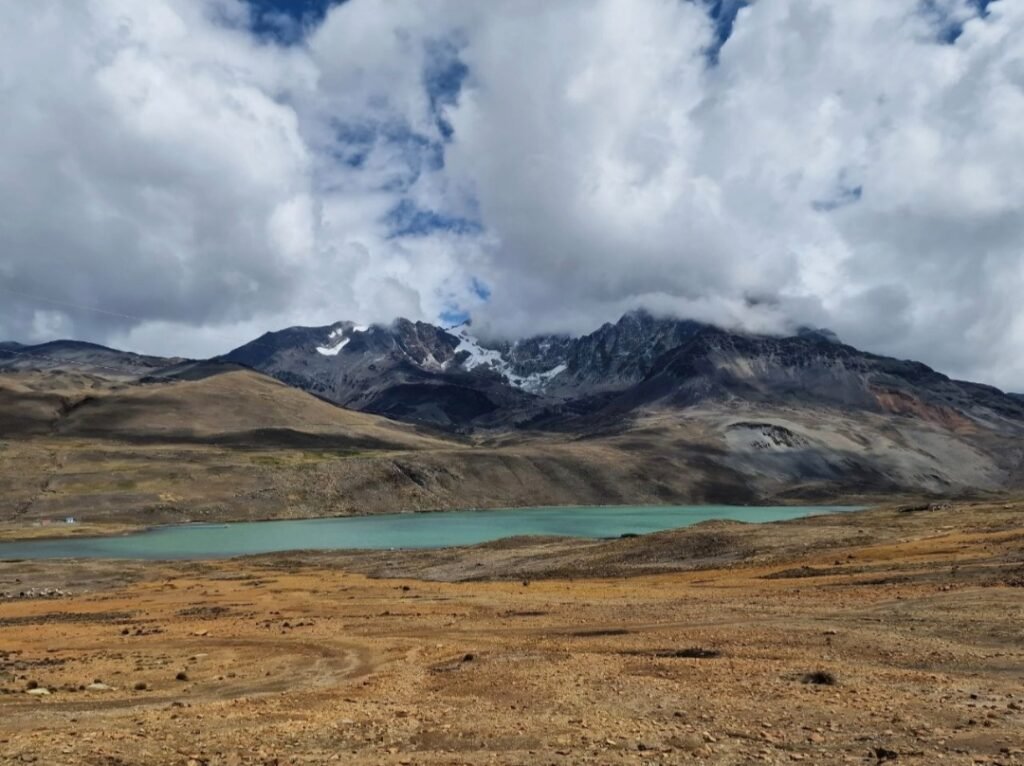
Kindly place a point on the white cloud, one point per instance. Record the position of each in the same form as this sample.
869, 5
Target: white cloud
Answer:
842, 165
146, 166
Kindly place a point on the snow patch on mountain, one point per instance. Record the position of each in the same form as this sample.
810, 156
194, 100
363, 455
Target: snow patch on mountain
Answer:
538, 381
479, 356
334, 350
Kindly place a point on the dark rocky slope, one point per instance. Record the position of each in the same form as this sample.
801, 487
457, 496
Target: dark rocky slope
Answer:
643, 410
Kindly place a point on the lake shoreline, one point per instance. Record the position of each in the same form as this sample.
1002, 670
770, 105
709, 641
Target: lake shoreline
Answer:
13, 532
398, 531
835, 619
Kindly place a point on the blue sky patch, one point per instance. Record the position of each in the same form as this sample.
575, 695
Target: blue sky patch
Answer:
287, 21
456, 315
453, 317
354, 141
723, 13
483, 292
443, 76
408, 220
947, 28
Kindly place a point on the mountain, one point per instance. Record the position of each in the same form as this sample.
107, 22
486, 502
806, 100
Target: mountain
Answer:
72, 355
235, 445
408, 371
807, 369
449, 378
802, 415
643, 410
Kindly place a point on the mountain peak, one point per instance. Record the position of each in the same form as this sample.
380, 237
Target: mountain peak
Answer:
339, 337
817, 333
417, 371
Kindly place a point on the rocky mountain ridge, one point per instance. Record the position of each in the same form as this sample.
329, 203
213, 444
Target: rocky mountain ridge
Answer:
643, 410
81, 357
446, 377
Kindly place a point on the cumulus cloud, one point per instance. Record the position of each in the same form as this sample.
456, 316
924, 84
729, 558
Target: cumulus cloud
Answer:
542, 166
147, 167
843, 164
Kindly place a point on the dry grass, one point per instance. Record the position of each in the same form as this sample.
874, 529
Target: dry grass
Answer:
298, 660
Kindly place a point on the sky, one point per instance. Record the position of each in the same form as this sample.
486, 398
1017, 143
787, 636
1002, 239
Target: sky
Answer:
180, 176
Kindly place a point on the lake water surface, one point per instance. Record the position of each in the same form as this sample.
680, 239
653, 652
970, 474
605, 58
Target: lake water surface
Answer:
403, 530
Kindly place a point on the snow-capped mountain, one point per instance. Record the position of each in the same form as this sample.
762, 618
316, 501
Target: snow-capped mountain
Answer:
340, 337
359, 366
666, 396
450, 378
514, 372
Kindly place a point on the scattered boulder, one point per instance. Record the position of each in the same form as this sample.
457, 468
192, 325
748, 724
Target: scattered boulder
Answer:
694, 652
821, 678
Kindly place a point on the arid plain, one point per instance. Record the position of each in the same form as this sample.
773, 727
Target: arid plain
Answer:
891, 635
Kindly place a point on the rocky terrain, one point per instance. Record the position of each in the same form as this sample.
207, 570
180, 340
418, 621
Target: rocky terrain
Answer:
84, 358
886, 636
420, 372
889, 636
416, 417
242, 446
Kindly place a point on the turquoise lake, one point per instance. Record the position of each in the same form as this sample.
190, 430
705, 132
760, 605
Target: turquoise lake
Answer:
403, 530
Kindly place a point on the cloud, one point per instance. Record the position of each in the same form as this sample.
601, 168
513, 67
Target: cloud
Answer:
542, 166
147, 166
840, 164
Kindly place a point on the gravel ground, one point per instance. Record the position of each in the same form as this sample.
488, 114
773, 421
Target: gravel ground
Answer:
881, 637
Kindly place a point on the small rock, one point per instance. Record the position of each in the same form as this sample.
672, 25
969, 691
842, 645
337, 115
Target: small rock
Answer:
38, 691
820, 677
689, 743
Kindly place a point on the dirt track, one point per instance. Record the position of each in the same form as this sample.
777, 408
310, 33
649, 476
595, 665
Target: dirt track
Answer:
292, 661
